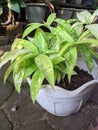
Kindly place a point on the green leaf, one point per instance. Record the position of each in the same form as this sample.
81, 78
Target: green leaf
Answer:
83, 35
11, 55
25, 58
71, 59
51, 18
87, 56
57, 59
8, 71
84, 17
14, 6
31, 28
40, 40
55, 74
58, 78
15, 43
63, 33
20, 43
78, 27
54, 43
24, 44
94, 15
64, 23
65, 47
71, 21
50, 52
93, 28
88, 41
28, 45
19, 61
29, 70
62, 66
93, 52
45, 65
36, 83
18, 75
7, 56
26, 62
1, 10
31, 39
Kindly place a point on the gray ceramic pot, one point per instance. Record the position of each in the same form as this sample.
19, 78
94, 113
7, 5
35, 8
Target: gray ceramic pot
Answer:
35, 12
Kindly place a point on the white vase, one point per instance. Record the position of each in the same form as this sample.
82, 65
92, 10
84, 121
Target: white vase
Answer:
61, 102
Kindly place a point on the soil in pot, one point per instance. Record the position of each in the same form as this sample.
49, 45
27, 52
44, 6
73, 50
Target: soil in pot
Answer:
77, 80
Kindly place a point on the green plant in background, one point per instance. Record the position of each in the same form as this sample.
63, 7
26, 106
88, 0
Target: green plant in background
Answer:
13, 6
1, 10
95, 4
51, 54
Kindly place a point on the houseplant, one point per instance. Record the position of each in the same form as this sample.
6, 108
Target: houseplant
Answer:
52, 54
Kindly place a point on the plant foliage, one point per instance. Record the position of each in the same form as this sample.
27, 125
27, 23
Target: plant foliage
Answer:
51, 54
14, 5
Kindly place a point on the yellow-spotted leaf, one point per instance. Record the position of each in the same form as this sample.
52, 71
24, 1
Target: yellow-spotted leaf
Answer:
40, 40
45, 65
93, 28
18, 78
36, 83
31, 28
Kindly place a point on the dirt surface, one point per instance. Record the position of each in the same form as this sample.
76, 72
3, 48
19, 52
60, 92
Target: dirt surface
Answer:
77, 80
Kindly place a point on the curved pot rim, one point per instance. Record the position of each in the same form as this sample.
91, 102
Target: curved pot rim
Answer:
36, 4
63, 93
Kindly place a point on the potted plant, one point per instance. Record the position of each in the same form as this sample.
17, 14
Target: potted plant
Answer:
51, 53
